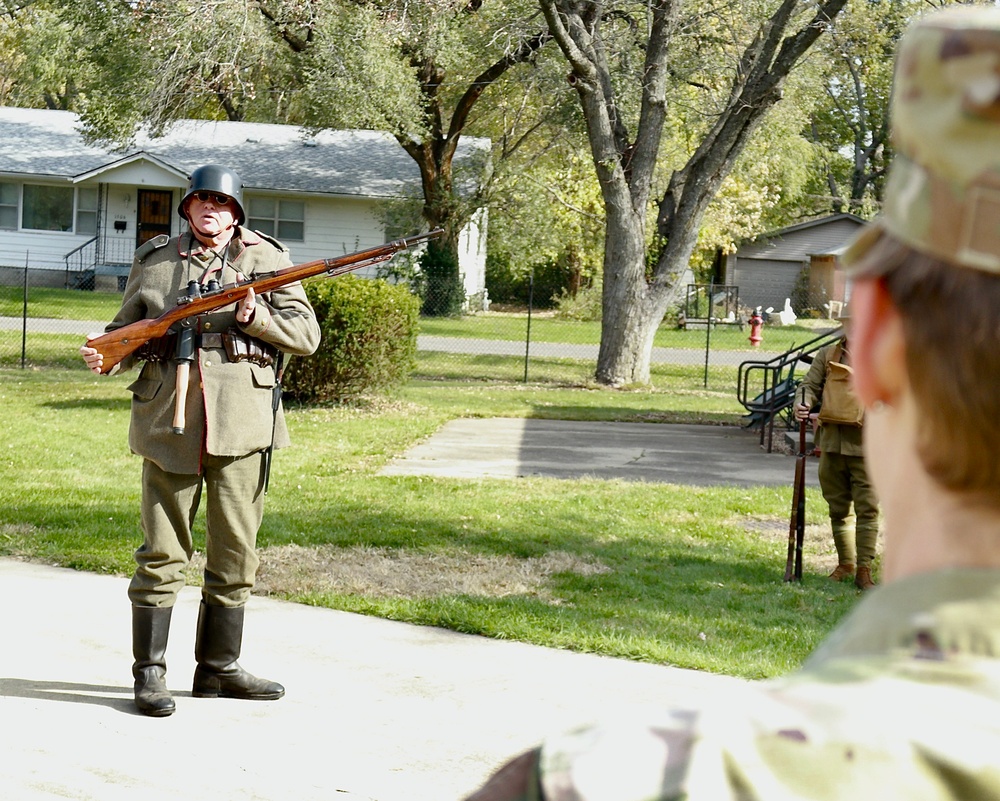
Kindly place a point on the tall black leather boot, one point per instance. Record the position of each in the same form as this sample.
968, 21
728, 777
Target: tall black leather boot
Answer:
150, 627
217, 647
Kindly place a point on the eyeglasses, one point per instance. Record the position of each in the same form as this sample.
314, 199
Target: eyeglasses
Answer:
219, 200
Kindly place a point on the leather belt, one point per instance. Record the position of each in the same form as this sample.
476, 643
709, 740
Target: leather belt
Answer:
210, 341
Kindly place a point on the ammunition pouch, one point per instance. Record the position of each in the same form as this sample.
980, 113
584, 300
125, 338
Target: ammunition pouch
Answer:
243, 348
239, 347
161, 349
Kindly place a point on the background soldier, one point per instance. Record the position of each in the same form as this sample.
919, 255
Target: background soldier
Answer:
903, 699
220, 441
843, 476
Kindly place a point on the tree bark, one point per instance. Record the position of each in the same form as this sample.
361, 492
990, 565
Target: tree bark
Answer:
633, 303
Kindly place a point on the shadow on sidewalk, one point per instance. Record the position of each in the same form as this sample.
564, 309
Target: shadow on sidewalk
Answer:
118, 698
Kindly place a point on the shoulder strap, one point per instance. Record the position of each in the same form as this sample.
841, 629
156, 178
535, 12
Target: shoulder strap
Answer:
149, 246
268, 238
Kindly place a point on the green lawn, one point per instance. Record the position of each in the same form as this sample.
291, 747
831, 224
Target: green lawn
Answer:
75, 305
59, 304
681, 575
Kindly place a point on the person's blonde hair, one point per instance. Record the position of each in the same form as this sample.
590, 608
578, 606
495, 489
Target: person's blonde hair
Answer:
951, 319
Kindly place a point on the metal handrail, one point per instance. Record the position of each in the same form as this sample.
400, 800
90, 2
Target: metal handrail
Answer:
90, 241
74, 252
778, 383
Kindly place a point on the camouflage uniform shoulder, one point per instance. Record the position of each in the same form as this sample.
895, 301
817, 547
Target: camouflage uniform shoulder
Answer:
148, 247
271, 240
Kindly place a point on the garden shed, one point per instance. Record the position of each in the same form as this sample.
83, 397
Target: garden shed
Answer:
800, 261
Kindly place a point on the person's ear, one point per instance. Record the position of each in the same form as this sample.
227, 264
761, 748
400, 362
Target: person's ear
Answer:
878, 344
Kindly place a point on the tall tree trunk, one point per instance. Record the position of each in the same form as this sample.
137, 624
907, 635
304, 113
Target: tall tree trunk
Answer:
626, 333
633, 305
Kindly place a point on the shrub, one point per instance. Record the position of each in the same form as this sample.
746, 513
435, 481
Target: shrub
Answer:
369, 342
444, 294
545, 282
503, 282
584, 306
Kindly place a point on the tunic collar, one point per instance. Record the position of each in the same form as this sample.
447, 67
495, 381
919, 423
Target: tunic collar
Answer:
188, 245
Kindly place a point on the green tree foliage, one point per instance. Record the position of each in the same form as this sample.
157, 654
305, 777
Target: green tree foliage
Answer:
157, 62
368, 345
850, 120
546, 220
42, 57
443, 292
415, 70
768, 186
849, 123
720, 67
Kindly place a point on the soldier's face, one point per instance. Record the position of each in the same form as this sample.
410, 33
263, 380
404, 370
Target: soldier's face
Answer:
209, 215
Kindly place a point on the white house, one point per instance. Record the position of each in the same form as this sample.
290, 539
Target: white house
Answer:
69, 209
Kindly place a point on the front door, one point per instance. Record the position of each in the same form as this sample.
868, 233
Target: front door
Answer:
155, 212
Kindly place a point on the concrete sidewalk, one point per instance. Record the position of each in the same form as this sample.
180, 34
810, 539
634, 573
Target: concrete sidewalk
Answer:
374, 709
678, 454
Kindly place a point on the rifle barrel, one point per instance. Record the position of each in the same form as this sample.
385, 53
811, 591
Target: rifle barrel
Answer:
116, 345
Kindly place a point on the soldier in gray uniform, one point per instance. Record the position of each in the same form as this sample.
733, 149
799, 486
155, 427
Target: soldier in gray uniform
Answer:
228, 423
903, 699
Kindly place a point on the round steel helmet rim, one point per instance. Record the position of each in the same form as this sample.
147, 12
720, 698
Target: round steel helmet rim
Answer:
215, 178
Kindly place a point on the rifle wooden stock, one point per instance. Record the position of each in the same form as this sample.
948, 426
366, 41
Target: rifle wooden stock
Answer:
797, 524
116, 345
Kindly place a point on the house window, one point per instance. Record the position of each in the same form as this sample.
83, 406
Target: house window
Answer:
47, 208
282, 219
8, 206
86, 211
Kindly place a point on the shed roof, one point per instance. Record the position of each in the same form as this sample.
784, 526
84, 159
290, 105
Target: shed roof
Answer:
49, 144
822, 236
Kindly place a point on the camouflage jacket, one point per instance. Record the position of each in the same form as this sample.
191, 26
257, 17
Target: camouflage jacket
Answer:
901, 701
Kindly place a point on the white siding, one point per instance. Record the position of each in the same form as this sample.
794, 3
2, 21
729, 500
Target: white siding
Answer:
43, 249
472, 254
335, 227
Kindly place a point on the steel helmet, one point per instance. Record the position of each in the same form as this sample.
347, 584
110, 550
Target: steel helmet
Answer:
215, 178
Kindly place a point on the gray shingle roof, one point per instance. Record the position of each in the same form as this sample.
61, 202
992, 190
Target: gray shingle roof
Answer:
267, 157
825, 236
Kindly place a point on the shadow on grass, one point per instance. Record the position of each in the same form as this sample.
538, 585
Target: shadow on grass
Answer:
91, 404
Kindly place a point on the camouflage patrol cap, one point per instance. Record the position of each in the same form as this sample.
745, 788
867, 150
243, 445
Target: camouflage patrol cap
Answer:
942, 196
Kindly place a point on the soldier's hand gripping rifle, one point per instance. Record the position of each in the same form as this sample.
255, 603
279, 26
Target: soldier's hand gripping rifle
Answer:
116, 345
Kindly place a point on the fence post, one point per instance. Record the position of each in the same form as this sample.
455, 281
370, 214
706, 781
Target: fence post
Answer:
708, 330
24, 315
527, 337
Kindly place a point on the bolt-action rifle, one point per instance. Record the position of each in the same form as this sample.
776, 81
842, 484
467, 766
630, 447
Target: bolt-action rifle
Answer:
797, 523
116, 345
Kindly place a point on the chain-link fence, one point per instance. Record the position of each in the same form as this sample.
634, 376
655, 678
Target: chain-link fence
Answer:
712, 342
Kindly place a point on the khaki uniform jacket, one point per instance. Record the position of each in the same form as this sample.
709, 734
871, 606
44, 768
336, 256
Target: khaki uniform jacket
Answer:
229, 404
830, 438
902, 701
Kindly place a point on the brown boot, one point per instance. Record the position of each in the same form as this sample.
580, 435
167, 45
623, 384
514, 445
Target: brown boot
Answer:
842, 571
863, 580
